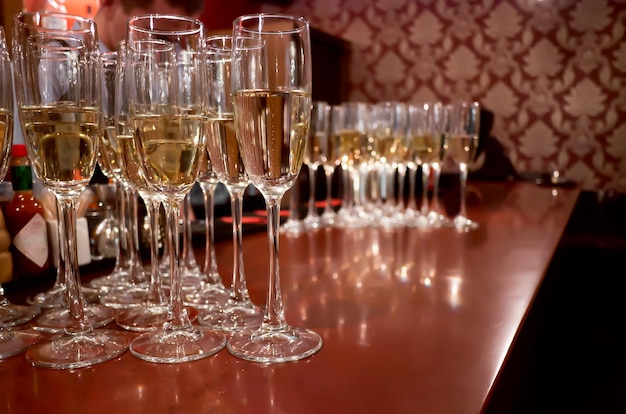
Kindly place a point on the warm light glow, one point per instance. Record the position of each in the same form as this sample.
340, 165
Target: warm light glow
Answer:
454, 293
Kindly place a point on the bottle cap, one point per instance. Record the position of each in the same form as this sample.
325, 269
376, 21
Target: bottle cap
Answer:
19, 150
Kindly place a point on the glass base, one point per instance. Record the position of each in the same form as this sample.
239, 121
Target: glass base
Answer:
147, 318
437, 220
464, 224
16, 342
207, 297
55, 297
13, 315
328, 218
267, 346
233, 318
109, 282
78, 350
313, 222
126, 298
292, 227
177, 345
55, 320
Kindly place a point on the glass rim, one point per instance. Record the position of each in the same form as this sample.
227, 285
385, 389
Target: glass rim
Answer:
89, 24
237, 23
173, 17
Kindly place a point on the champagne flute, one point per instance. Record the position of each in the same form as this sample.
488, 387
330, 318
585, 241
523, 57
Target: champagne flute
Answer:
316, 152
239, 312
426, 146
272, 101
168, 115
153, 309
11, 342
435, 157
389, 133
348, 132
460, 143
131, 290
329, 163
58, 93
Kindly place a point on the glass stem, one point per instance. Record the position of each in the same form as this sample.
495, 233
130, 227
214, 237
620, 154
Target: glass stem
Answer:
345, 196
177, 313
67, 220
328, 174
293, 203
189, 260
239, 292
437, 173
425, 178
412, 173
463, 181
312, 210
122, 259
355, 174
152, 209
136, 268
62, 263
274, 316
400, 205
390, 187
210, 259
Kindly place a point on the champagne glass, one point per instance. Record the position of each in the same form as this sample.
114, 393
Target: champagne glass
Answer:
131, 290
389, 133
239, 312
316, 152
426, 146
125, 260
460, 142
272, 101
349, 128
58, 95
153, 308
329, 163
438, 119
169, 119
11, 342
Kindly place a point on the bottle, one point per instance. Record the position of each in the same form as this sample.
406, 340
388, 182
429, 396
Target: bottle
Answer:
25, 219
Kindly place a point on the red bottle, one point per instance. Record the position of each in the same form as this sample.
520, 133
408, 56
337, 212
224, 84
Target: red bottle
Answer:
25, 219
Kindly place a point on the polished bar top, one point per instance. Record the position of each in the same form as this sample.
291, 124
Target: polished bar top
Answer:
412, 321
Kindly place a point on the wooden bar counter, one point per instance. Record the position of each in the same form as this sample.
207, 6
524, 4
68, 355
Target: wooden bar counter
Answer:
412, 322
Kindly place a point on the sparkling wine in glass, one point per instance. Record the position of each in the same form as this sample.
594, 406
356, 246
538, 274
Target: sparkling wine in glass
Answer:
272, 112
169, 119
460, 143
57, 81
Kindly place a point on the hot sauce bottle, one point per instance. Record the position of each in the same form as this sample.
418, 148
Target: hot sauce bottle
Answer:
25, 219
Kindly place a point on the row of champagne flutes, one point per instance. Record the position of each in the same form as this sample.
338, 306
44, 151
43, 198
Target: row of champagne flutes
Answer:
378, 147
163, 119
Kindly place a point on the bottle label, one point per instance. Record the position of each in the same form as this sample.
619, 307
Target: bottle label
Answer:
32, 240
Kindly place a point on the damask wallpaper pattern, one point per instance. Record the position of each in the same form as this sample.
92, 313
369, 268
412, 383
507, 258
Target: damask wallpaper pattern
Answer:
551, 71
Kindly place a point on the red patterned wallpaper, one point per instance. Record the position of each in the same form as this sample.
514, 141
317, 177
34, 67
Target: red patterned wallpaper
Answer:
552, 71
